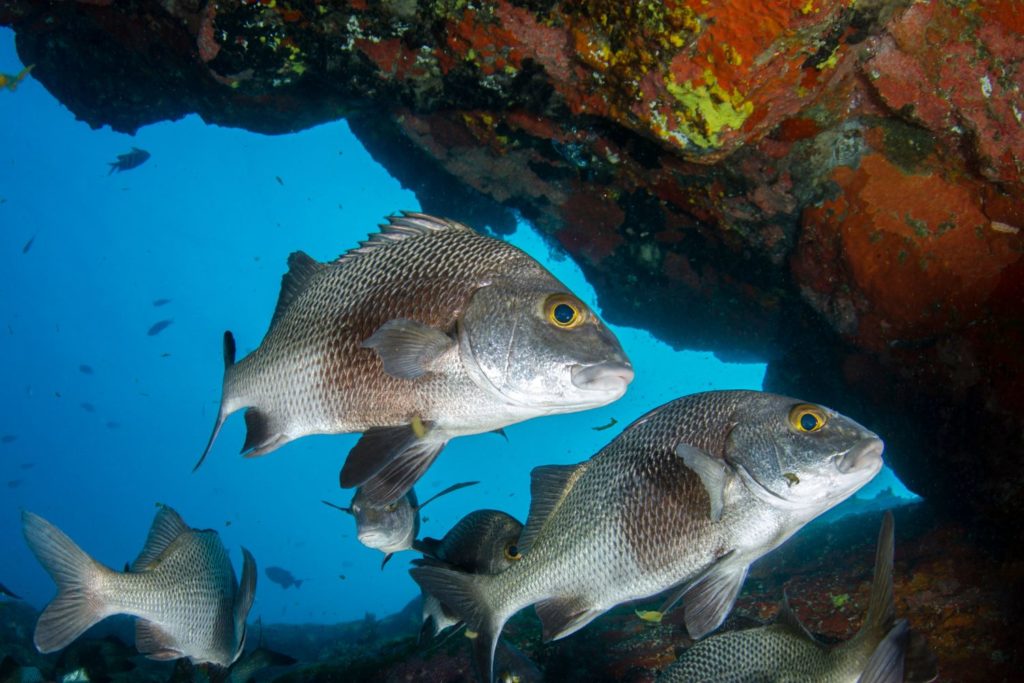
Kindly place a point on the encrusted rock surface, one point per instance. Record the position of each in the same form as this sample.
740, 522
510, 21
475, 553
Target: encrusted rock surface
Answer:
829, 185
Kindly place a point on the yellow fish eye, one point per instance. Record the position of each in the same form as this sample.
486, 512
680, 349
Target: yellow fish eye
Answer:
564, 311
807, 418
512, 552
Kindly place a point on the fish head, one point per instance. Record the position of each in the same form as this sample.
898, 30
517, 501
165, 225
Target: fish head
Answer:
537, 346
800, 456
388, 528
490, 543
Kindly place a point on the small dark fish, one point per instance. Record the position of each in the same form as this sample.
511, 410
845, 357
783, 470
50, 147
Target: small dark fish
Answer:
607, 426
129, 160
113, 425
279, 181
8, 593
159, 327
14, 483
88, 407
342, 577
28, 245
282, 577
8, 438
160, 302
11, 81
26, 465
85, 369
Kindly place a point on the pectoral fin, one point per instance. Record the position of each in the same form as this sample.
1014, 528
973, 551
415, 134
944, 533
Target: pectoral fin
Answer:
886, 662
376, 448
398, 476
408, 348
714, 473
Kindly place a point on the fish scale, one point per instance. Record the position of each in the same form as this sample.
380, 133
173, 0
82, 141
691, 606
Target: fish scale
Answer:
687, 496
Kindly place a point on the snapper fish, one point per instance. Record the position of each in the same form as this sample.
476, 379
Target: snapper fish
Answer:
883, 650
482, 542
393, 527
688, 496
426, 331
129, 160
181, 587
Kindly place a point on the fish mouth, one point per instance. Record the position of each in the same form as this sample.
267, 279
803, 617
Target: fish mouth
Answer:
609, 376
866, 455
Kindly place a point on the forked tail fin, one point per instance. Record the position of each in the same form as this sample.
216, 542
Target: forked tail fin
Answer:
78, 604
222, 413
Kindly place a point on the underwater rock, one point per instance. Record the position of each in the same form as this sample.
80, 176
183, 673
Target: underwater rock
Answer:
831, 186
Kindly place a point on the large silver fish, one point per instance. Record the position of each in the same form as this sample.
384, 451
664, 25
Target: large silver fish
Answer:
688, 495
393, 527
482, 542
181, 587
427, 331
883, 651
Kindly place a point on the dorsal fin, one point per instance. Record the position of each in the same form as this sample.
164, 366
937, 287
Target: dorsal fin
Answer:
408, 224
301, 269
881, 611
167, 526
548, 486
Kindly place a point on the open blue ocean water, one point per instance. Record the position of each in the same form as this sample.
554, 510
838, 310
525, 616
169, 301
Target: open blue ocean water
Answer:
102, 421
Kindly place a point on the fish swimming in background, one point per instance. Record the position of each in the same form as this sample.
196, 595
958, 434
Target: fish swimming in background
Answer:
8, 438
157, 303
393, 527
687, 496
28, 245
159, 327
883, 651
12, 81
482, 542
85, 369
282, 577
129, 160
426, 331
87, 407
8, 593
181, 587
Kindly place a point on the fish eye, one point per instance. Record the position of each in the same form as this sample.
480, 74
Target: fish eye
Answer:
512, 552
564, 311
807, 418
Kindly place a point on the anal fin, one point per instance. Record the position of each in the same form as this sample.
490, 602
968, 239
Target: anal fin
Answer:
154, 642
262, 434
561, 617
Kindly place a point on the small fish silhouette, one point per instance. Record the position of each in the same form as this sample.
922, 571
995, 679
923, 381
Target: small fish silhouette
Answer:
161, 302
159, 327
601, 428
279, 181
28, 245
129, 160
8, 438
12, 81
88, 407
85, 369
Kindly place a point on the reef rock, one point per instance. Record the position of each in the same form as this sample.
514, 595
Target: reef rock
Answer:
832, 186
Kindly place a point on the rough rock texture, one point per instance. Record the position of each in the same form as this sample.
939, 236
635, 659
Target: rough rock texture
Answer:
829, 185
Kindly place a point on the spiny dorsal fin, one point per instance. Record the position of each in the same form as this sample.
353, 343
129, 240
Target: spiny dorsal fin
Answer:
548, 486
408, 224
167, 526
301, 269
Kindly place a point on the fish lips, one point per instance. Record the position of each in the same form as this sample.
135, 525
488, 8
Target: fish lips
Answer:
866, 455
607, 376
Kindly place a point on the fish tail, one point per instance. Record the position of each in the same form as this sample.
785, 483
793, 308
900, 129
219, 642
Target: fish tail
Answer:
881, 611
224, 411
467, 596
79, 603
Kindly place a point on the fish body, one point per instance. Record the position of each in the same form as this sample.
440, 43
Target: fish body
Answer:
687, 496
392, 527
282, 577
883, 651
129, 160
427, 331
182, 589
12, 81
482, 542
158, 327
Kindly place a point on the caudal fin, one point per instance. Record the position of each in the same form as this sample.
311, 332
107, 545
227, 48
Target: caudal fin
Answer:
466, 595
78, 604
222, 413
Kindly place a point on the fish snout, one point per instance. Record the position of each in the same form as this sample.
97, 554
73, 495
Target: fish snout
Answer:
866, 454
605, 376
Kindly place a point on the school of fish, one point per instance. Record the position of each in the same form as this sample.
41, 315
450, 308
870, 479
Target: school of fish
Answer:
428, 331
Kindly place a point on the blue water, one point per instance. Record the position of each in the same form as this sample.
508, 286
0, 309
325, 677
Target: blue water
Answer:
207, 224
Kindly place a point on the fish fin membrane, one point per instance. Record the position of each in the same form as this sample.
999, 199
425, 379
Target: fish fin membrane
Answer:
450, 489
78, 604
222, 414
262, 434
375, 449
301, 270
710, 599
561, 617
886, 662
154, 642
713, 473
408, 348
548, 486
920, 665
167, 526
245, 595
881, 610
399, 475
428, 546
791, 622
466, 596
398, 228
